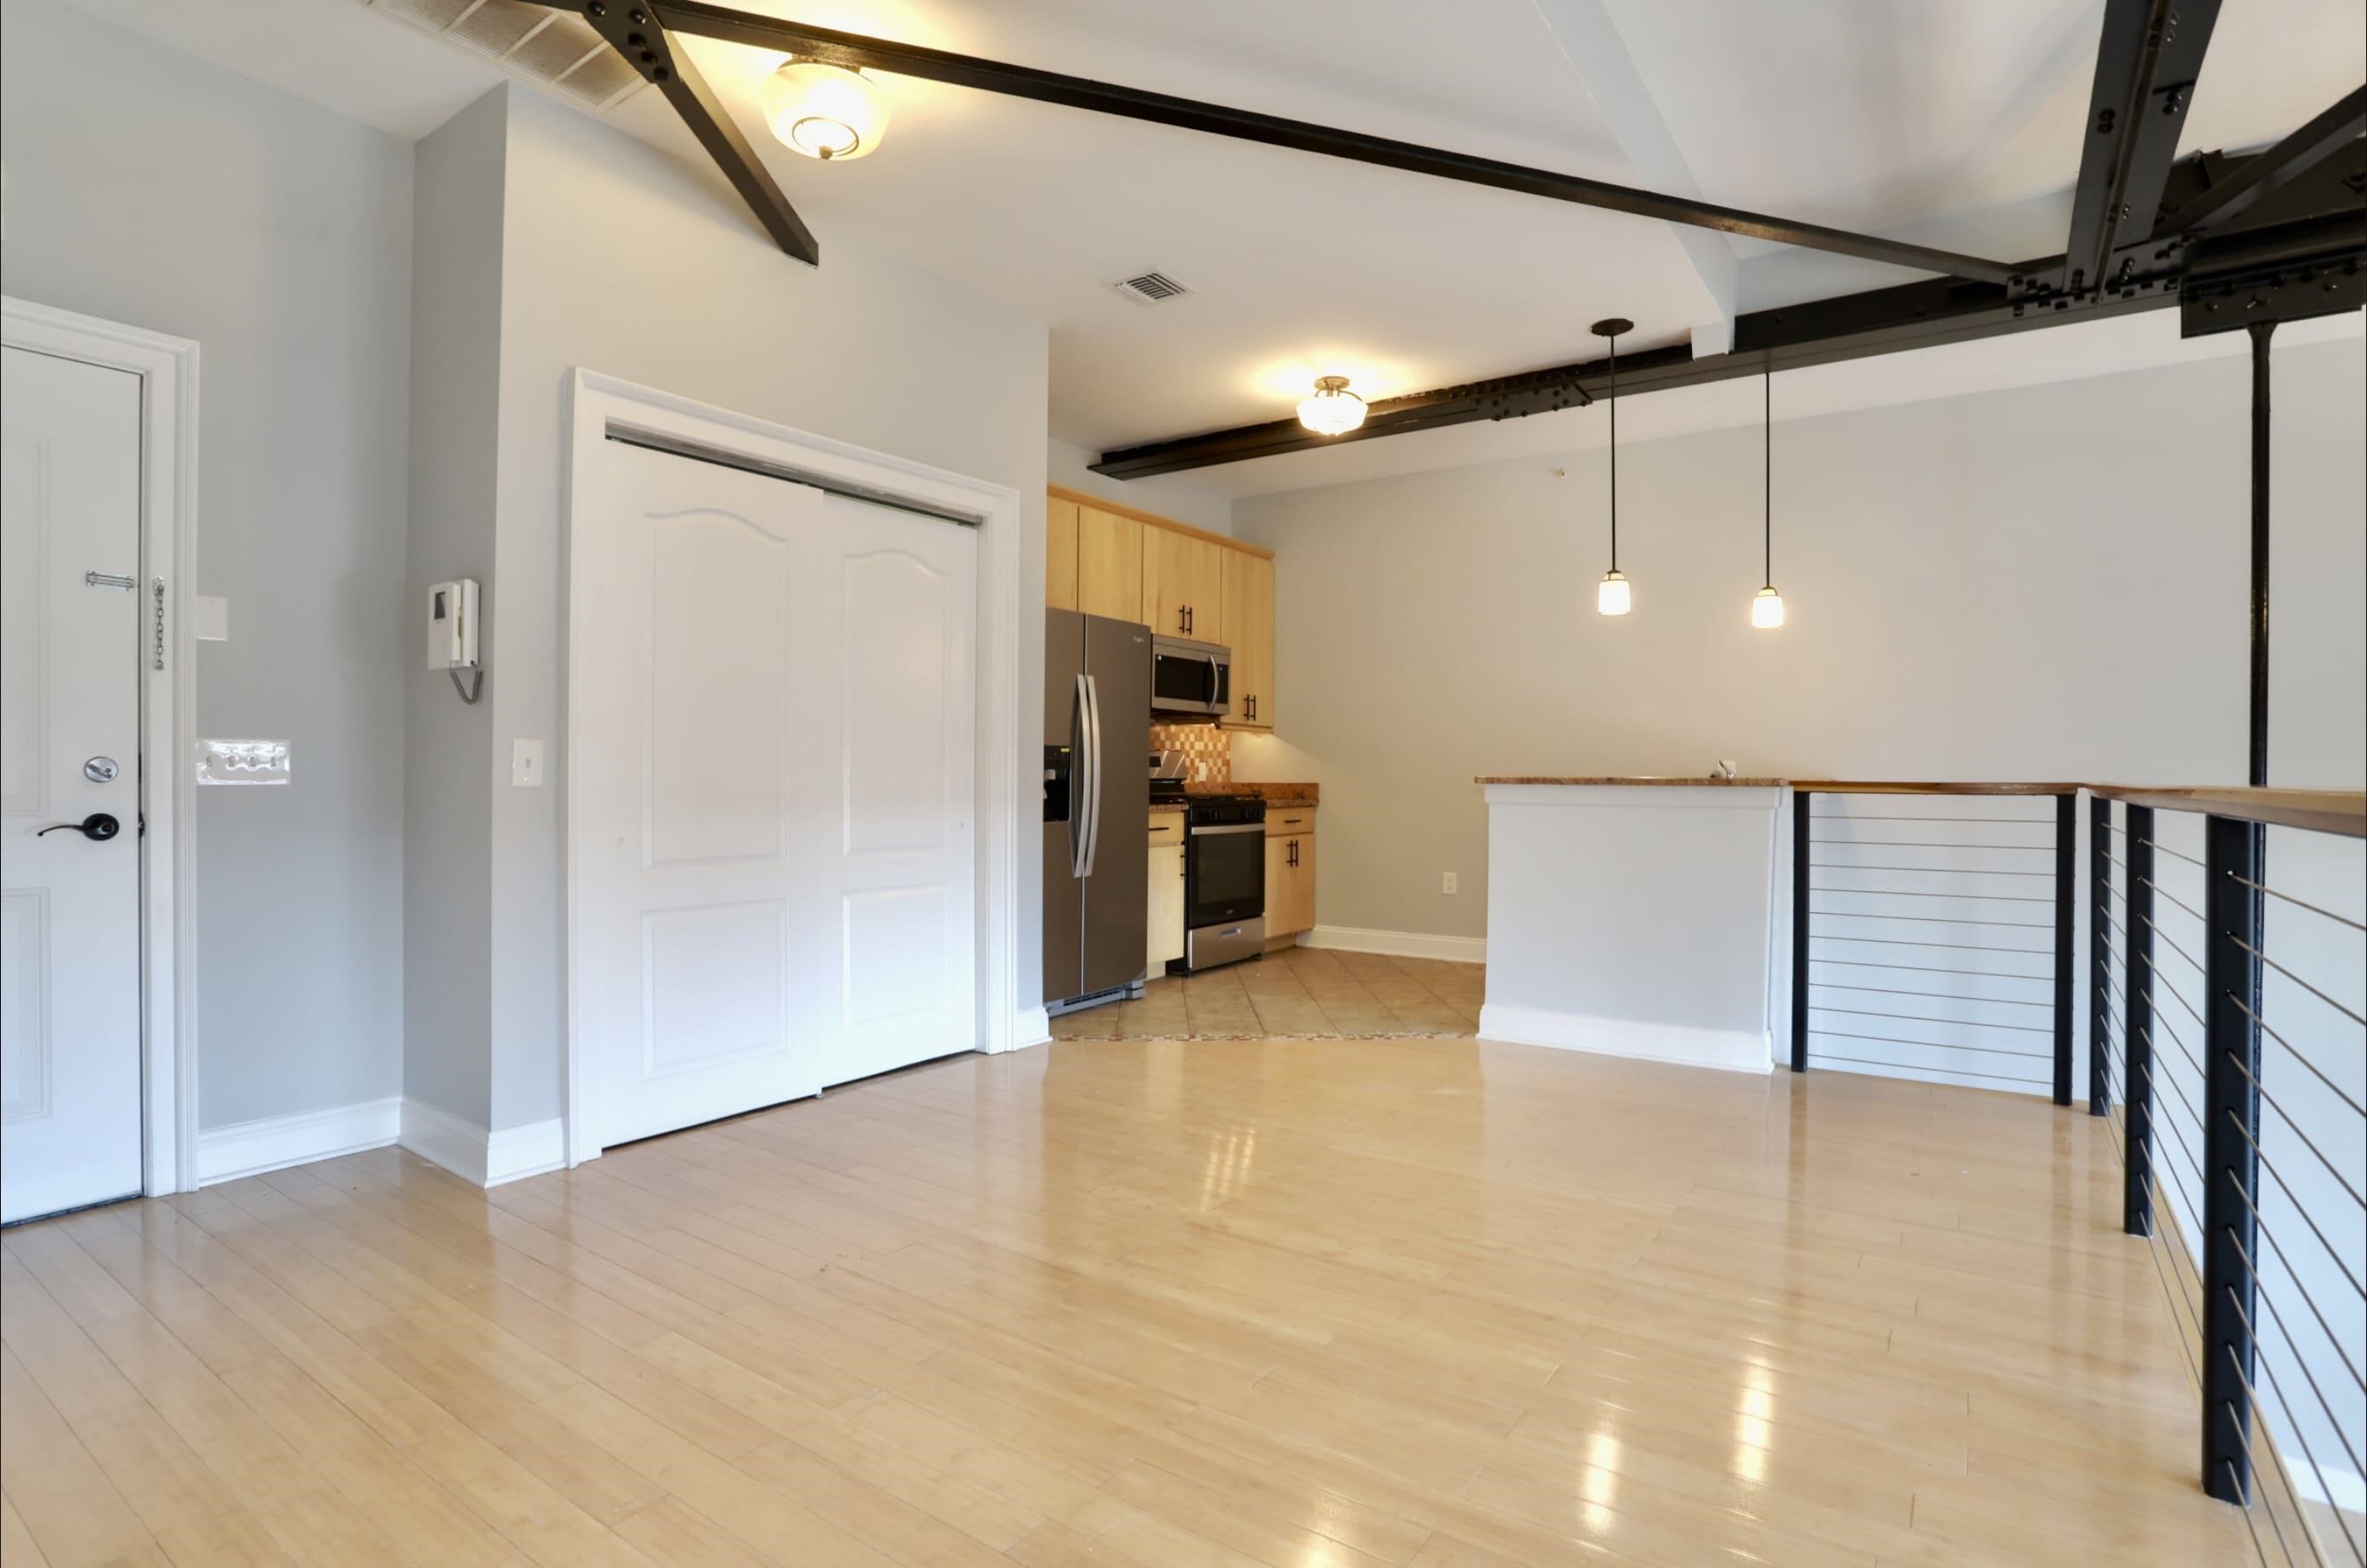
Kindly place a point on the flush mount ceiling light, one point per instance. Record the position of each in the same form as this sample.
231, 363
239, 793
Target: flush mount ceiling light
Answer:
824, 111
1332, 410
1767, 607
1612, 596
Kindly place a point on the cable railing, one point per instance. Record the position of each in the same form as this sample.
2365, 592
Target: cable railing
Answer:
1937, 930
2226, 971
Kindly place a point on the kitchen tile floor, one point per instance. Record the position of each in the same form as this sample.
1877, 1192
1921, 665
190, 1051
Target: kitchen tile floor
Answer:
1299, 993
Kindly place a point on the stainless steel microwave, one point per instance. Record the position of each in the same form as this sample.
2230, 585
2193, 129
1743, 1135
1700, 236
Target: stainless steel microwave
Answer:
1190, 677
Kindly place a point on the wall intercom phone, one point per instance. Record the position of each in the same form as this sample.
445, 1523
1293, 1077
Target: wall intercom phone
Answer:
452, 633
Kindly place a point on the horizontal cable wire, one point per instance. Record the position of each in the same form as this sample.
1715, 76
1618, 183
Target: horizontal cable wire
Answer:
1924, 870
2283, 1403
1935, 969
2235, 1482
1907, 892
2178, 1319
2178, 855
1936, 996
2332, 1088
2308, 1301
1938, 844
1933, 919
2331, 1170
1980, 821
2298, 903
1949, 1072
2297, 980
1951, 946
2163, 937
2166, 896
1933, 1045
1952, 1023
2267, 1300
2261, 1224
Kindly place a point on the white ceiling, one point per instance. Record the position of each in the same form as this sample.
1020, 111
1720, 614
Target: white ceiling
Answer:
1956, 124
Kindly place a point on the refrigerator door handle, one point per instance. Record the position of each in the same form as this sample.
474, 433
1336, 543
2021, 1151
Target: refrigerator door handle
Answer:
1080, 751
1094, 788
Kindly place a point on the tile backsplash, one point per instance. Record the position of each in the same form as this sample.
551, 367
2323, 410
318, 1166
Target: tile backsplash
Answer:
1207, 749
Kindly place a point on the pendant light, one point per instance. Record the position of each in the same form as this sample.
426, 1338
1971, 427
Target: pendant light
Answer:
1331, 409
1612, 596
824, 111
1767, 607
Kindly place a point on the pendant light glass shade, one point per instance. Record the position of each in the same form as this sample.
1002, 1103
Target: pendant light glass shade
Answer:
1611, 596
1332, 410
1767, 610
824, 111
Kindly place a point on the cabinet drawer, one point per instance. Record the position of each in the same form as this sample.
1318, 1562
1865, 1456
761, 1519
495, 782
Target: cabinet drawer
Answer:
1289, 821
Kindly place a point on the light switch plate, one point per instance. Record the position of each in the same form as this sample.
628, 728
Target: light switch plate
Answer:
243, 763
525, 764
209, 618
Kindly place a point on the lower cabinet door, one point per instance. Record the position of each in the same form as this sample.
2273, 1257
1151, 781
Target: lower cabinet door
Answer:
1302, 884
1166, 925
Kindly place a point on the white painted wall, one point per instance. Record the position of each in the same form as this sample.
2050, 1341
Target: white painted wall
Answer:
2045, 582
1169, 496
619, 258
145, 186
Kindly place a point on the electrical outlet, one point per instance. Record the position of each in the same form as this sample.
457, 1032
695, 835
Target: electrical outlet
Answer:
1447, 884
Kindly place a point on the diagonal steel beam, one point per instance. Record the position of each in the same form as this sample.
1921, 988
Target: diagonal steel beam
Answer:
855, 49
2332, 133
635, 32
2146, 63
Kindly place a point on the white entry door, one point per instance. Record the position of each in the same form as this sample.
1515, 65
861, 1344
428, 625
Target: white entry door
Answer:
772, 714
70, 972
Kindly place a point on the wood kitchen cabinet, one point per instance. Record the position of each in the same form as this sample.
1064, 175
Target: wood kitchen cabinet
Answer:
1165, 934
1248, 632
1109, 564
1183, 585
1060, 554
1289, 878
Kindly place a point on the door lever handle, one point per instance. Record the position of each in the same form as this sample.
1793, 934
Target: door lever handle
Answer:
98, 826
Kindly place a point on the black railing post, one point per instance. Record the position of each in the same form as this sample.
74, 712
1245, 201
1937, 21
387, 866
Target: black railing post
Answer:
2137, 1029
2099, 955
1799, 930
2230, 1154
2067, 903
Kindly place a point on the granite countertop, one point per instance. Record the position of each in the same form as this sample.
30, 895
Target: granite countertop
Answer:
1614, 780
1274, 793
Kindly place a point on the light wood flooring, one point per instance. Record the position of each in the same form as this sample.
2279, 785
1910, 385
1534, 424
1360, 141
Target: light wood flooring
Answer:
1326, 1305
1300, 993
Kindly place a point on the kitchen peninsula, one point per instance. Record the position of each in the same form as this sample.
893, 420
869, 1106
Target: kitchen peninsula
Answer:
1639, 917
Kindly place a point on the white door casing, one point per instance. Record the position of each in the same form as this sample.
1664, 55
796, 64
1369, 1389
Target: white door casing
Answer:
775, 875
70, 940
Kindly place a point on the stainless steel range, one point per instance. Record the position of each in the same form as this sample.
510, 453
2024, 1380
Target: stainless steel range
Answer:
1224, 880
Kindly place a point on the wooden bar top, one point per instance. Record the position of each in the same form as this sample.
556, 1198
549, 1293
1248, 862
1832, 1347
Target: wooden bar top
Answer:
1613, 780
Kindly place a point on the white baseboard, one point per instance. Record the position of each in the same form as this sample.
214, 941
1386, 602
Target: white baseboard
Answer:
275, 1142
1032, 1027
1734, 1050
1397, 944
473, 1155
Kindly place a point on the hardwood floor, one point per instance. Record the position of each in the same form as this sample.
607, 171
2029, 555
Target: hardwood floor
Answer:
1425, 1303
1299, 993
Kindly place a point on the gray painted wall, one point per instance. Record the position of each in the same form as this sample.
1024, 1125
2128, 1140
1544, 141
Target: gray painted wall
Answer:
454, 432
621, 259
147, 187
2043, 583
1166, 495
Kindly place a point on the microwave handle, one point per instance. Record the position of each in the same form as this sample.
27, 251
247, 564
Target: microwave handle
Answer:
1216, 679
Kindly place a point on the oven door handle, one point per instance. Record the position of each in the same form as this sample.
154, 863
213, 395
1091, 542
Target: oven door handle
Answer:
1227, 828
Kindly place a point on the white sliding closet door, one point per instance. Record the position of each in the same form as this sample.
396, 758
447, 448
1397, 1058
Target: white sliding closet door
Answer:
773, 792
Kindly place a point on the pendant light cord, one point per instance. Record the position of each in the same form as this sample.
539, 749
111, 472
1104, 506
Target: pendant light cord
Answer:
1614, 451
1767, 405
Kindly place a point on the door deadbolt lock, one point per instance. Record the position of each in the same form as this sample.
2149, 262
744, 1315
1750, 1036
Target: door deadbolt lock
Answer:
101, 769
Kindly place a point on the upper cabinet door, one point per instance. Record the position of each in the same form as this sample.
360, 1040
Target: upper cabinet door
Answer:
1183, 585
1249, 631
1059, 553
1109, 564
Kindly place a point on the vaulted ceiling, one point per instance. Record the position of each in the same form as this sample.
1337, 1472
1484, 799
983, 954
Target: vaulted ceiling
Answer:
1955, 124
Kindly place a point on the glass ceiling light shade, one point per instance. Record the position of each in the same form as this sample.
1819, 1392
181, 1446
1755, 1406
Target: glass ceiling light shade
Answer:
1610, 597
1332, 410
1767, 610
824, 111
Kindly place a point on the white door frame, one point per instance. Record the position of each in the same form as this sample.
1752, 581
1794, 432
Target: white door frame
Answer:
594, 400
167, 369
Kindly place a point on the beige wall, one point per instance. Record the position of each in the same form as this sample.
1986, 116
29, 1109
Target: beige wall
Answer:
2043, 583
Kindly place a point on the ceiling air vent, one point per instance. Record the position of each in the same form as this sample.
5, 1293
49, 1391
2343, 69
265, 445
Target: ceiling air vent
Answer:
555, 49
1149, 288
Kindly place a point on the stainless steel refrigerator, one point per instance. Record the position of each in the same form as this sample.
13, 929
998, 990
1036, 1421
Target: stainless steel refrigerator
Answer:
1097, 798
